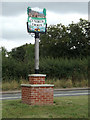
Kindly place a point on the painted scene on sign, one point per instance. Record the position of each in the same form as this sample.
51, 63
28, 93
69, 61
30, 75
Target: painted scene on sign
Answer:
36, 21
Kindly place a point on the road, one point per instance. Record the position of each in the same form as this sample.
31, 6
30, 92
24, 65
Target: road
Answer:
57, 93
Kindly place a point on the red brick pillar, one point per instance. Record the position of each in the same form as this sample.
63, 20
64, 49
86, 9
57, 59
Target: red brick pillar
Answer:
37, 92
37, 79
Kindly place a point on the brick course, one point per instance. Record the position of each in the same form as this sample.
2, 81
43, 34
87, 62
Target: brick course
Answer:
37, 92
36, 80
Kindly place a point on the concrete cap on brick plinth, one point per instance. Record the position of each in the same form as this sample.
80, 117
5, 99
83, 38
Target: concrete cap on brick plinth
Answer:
37, 75
37, 85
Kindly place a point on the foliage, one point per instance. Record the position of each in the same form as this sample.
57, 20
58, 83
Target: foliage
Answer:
17, 65
71, 41
23, 53
64, 54
75, 69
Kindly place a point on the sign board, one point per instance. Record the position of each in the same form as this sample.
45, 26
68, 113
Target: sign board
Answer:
36, 22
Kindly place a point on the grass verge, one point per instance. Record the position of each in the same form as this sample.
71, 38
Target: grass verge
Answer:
14, 85
63, 83
63, 107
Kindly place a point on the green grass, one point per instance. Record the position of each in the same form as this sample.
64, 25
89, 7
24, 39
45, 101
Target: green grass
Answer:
63, 107
0, 109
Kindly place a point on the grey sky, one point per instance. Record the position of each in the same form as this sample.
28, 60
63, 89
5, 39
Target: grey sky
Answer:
14, 18
14, 8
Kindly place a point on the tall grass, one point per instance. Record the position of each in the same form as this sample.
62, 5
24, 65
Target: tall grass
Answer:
14, 85
63, 83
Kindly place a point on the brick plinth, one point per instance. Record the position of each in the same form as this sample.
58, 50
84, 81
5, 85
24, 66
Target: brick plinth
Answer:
36, 79
37, 92
37, 95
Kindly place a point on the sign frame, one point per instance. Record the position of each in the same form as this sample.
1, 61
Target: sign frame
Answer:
36, 22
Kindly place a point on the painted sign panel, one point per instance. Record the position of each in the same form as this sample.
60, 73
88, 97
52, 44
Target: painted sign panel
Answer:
36, 21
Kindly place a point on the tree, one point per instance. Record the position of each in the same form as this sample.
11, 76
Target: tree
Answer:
18, 53
4, 52
78, 43
54, 42
61, 41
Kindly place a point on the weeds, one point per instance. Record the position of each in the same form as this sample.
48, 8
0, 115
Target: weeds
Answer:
67, 83
14, 85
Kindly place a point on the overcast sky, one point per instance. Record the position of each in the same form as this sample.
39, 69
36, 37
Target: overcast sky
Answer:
14, 18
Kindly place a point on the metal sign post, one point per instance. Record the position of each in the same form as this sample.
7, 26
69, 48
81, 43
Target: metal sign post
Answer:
36, 23
36, 53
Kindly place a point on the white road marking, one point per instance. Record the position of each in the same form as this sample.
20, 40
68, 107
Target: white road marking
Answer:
9, 98
71, 94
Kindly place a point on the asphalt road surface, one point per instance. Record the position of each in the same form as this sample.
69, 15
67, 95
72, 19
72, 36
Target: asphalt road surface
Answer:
57, 93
